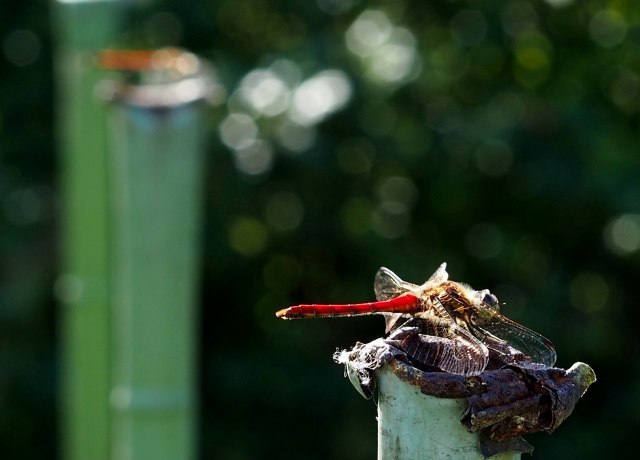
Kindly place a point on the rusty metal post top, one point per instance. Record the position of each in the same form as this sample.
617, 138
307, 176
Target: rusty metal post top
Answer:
163, 78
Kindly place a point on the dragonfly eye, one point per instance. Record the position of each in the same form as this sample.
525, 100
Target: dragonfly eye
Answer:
490, 299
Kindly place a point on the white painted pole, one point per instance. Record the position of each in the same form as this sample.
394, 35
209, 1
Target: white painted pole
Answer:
414, 426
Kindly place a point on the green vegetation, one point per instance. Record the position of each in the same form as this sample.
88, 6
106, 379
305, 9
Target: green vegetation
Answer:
500, 137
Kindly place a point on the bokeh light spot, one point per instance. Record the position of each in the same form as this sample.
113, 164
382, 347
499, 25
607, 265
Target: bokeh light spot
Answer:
294, 137
531, 57
265, 92
505, 110
518, 18
247, 236
622, 234
625, 91
28, 205
320, 95
533, 53
255, 159
589, 292
469, 27
607, 28
387, 52
396, 60
449, 61
559, 3
356, 215
238, 131
396, 195
390, 220
397, 192
370, 30
284, 211
21, 47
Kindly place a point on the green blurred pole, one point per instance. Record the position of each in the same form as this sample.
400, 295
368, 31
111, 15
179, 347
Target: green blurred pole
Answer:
81, 28
156, 188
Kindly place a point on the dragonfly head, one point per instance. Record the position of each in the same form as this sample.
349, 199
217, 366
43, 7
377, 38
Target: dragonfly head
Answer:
489, 299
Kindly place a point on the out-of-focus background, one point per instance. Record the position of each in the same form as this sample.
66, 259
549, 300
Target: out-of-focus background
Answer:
500, 137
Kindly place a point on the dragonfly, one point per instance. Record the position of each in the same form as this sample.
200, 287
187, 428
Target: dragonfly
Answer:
443, 324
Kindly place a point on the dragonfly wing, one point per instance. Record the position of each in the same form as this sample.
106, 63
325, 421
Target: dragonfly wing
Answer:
455, 355
393, 322
535, 346
388, 285
440, 275
444, 345
501, 352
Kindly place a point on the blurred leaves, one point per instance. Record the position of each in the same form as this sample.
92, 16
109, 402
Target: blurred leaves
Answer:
499, 137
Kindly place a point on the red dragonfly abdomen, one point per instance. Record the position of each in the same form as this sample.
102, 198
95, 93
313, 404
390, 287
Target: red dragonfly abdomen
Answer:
407, 303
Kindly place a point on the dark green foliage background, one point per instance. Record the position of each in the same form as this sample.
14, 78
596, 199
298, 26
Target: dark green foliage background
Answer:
269, 389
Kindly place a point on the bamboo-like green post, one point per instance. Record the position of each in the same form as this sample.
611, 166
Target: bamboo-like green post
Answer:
156, 190
414, 426
81, 28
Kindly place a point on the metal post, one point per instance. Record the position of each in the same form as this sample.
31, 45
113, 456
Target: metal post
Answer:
82, 28
414, 426
156, 157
